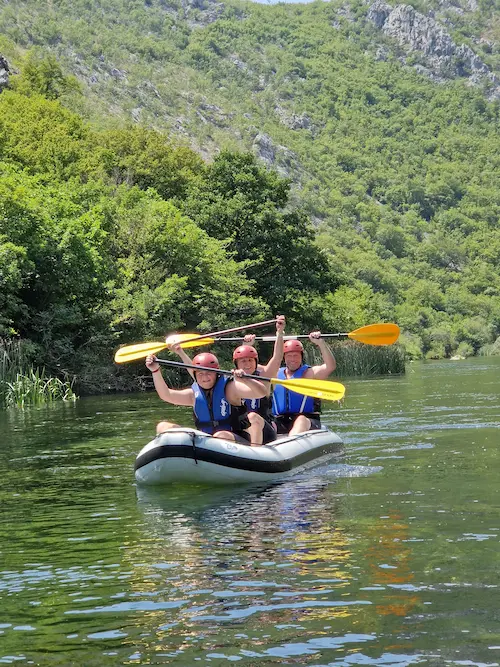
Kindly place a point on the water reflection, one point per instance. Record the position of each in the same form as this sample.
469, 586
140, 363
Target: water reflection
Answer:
294, 520
249, 555
389, 557
266, 572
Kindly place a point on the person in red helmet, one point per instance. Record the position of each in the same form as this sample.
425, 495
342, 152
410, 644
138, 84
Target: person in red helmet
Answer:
262, 428
217, 400
294, 412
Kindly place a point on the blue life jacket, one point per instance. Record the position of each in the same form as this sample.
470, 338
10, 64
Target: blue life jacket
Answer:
286, 402
215, 413
261, 406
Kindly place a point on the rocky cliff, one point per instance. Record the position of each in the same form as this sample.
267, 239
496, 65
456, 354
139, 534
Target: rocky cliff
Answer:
441, 57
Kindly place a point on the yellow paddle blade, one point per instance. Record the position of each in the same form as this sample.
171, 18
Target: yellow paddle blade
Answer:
139, 351
324, 389
189, 340
376, 334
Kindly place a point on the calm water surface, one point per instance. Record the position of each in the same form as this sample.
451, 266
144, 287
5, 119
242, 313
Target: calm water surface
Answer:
391, 557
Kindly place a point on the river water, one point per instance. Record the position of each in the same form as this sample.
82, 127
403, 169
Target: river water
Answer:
389, 557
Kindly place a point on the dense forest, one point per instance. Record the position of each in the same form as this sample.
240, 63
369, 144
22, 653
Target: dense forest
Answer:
135, 198
119, 236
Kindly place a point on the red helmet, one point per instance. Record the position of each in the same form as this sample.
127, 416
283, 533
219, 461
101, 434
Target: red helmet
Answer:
245, 352
293, 346
206, 359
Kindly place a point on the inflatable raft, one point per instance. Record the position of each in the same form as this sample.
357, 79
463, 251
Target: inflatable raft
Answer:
188, 455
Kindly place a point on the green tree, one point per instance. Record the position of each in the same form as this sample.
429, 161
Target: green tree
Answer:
243, 203
41, 74
146, 158
171, 274
56, 264
42, 136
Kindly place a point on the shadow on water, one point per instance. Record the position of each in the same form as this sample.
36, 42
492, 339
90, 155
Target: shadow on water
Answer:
252, 520
300, 495
220, 508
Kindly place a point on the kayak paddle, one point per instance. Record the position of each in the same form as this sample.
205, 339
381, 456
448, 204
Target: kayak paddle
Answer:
141, 350
372, 334
324, 389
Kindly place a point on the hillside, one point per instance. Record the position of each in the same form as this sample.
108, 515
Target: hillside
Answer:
385, 118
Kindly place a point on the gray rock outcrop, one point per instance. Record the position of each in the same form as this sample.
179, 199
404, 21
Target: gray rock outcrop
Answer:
4, 73
292, 120
279, 157
442, 57
201, 12
264, 148
212, 114
379, 12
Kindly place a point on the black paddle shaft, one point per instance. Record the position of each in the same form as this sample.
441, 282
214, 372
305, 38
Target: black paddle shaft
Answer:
179, 364
271, 339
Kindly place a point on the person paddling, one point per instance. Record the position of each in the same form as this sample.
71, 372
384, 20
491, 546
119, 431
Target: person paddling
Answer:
262, 428
296, 413
217, 400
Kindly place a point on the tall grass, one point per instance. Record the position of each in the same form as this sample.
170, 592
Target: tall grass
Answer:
356, 359
22, 385
490, 350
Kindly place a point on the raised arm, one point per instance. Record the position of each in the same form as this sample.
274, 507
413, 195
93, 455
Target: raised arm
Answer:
329, 364
271, 368
184, 356
244, 387
174, 396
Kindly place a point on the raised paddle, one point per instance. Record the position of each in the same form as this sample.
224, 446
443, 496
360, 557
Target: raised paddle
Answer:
324, 389
141, 350
372, 334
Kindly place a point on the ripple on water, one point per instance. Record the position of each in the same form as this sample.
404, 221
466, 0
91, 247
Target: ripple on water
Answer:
351, 563
245, 612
